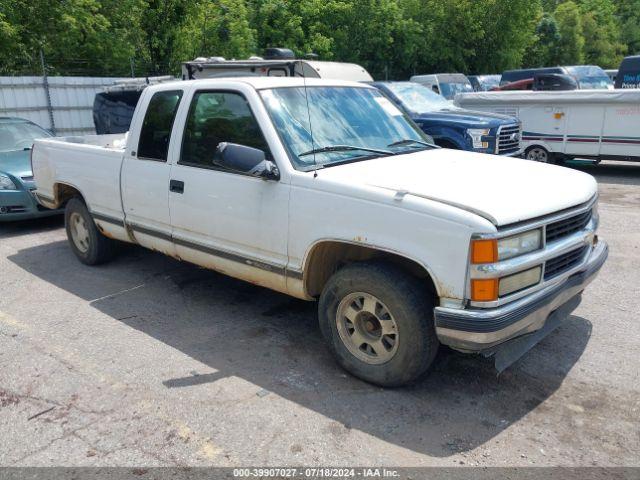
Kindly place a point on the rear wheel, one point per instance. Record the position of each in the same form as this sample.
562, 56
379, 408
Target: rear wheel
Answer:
539, 154
378, 322
86, 241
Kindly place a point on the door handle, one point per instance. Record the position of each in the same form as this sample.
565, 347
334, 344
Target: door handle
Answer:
176, 186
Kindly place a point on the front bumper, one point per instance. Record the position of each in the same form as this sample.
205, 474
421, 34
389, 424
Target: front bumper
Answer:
517, 153
21, 205
479, 330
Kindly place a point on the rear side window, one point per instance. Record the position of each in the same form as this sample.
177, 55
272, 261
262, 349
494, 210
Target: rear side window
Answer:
216, 117
156, 128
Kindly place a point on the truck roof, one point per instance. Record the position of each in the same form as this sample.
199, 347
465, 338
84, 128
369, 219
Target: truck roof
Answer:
260, 83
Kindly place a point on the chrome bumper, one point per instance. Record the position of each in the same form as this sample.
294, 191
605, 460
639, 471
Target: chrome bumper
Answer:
517, 153
477, 330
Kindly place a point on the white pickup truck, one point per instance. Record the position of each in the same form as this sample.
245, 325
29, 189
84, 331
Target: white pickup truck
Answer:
323, 189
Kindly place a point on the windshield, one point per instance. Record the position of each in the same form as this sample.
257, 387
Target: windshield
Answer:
338, 116
18, 135
450, 90
418, 98
591, 77
596, 83
487, 82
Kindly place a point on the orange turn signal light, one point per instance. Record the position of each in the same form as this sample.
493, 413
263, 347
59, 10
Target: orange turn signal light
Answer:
484, 290
484, 251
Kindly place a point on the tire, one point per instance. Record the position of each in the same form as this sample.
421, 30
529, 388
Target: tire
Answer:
539, 154
402, 305
86, 241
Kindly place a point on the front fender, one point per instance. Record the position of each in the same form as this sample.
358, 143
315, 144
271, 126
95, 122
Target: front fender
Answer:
429, 233
455, 136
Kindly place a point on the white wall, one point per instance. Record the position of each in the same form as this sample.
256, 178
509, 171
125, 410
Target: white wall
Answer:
71, 101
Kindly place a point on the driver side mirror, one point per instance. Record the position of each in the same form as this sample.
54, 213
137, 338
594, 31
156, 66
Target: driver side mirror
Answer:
247, 160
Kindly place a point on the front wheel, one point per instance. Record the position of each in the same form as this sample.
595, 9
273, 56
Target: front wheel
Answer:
378, 322
86, 241
539, 154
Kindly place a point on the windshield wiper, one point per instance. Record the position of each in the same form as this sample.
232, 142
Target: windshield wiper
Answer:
409, 141
345, 148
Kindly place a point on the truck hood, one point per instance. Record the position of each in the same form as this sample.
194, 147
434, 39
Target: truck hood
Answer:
502, 190
465, 118
16, 163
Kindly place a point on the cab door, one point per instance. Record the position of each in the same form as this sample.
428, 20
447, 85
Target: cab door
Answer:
145, 171
222, 219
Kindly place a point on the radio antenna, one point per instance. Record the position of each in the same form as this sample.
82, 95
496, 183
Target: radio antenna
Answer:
306, 97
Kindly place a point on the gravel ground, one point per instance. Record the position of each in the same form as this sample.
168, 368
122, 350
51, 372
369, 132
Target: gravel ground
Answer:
149, 361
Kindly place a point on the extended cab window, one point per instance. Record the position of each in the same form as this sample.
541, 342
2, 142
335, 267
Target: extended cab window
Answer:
216, 117
156, 128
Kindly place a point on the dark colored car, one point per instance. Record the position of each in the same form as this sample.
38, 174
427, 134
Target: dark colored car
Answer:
453, 127
628, 75
511, 76
113, 111
542, 82
587, 76
16, 178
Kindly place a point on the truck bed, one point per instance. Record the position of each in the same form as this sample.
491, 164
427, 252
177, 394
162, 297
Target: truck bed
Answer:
91, 164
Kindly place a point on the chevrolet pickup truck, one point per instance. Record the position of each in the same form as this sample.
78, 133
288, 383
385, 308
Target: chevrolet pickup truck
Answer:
324, 190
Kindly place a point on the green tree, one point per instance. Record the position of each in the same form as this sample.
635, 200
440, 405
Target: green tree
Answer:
570, 47
506, 37
295, 24
219, 28
480, 37
161, 23
75, 36
547, 37
628, 16
377, 34
11, 50
602, 33
451, 32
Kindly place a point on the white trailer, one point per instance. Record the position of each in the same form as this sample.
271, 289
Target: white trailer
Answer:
595, 124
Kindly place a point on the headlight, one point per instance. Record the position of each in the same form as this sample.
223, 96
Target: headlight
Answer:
476, 135
492, 250
6, 183
519, 244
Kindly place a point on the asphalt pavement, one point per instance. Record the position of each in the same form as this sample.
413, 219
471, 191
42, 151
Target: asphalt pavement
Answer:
150, 361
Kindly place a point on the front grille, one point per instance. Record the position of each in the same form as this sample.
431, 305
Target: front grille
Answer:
509, 139
562, 263
562, 228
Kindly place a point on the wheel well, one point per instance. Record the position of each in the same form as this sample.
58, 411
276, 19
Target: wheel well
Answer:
326, 258
63, 193
447, 144
535, 145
